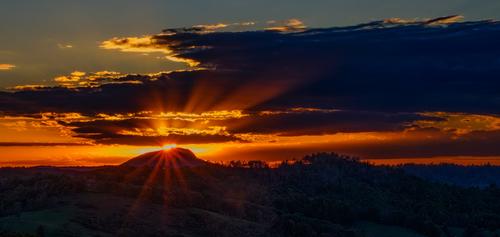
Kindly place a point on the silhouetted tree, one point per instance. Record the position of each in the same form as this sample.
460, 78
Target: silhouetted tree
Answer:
40, 231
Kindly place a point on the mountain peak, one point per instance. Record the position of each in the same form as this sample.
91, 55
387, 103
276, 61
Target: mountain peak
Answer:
170, 158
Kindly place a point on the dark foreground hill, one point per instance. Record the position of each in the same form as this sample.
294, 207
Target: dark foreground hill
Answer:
321, 195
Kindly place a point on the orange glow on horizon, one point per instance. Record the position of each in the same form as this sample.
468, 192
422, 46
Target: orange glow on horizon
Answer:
459, 160
114, 155
267, 147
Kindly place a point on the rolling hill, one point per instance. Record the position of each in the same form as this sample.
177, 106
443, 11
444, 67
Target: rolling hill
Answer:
173, 193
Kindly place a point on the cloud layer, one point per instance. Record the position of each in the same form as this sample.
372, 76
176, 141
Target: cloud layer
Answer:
437, 77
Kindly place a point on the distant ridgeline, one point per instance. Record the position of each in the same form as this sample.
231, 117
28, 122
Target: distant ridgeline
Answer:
173, 193
466, 176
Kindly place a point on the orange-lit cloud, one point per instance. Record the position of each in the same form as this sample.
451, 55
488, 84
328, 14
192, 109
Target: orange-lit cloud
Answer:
73, 77
212, 27
6, 66
146, 44
64, 46
440, 21
373, 146
290, 25
41, 129
78, 79
166, 131
192, 117
460, 123
445, 20
28, 87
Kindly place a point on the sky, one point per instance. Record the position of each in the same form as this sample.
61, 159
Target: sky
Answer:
98, 82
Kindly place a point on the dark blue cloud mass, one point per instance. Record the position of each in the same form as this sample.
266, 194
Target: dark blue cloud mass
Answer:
415, 66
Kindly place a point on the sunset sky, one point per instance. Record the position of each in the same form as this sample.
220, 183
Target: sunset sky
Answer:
96, 83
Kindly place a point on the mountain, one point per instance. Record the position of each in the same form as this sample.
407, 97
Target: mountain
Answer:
171, 158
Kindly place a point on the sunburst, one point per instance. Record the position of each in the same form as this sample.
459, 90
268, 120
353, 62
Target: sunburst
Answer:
167, 147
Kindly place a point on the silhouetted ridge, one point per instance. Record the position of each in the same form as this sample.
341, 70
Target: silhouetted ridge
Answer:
172, 158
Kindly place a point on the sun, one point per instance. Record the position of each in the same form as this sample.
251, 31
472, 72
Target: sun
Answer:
168, 146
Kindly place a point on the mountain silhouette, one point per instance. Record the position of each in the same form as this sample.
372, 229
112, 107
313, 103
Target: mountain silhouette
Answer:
171, 158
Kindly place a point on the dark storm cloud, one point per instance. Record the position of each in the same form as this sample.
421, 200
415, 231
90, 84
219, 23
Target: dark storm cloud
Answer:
377, 66
320, 123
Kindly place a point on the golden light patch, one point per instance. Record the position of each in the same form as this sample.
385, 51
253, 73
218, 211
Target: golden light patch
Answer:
36, 130
6, 66
212, 27
80, 79
145, 44
27, 87
73, 77
287, 26
192, 117
460, 123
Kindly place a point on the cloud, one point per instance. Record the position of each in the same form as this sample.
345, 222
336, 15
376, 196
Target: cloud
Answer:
124, 139
440, 21
235, 125
290, 25
146, 44
321, 122
210, 28
73, 77
6, 66
64, 46
21, 144
411, 145
411, 79
399, 69
460, 123
430, 144
125, 129
28, 87
445, 20
78, 79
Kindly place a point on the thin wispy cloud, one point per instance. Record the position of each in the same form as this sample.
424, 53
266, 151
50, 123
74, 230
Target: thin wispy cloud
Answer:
286, 26
64, 46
